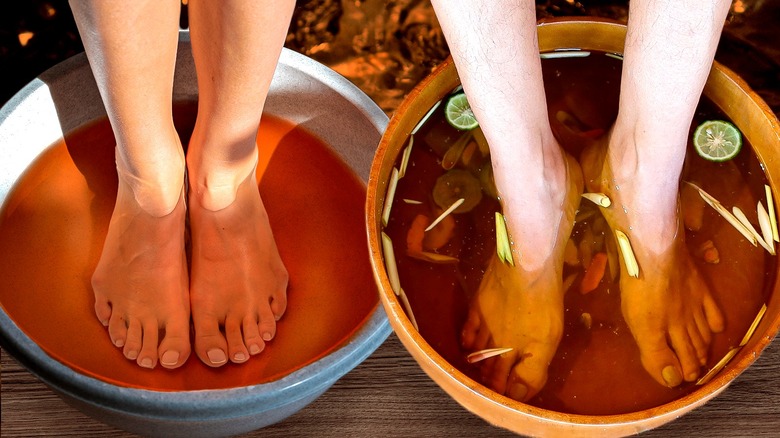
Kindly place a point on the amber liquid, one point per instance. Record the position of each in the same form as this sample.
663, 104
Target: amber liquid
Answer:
54, 222
596, 370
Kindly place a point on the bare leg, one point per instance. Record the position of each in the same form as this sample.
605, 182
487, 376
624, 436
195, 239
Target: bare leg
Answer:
238, 287
669, 50
140, 282
521, 307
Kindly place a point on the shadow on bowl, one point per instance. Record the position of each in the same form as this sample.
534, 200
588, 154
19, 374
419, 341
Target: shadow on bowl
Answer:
440, 314
57, 191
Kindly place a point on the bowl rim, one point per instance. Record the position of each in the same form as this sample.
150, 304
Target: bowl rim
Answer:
457, 380
203, 405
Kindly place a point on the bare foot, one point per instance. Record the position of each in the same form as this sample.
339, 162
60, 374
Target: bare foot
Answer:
239, 283
669, 307
522, 308
140, 283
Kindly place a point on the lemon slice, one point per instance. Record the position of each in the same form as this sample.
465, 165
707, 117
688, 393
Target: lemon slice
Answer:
716, 140
459, 114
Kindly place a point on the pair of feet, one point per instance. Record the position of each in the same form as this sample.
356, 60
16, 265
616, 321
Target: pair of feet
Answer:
146, 295
668, 308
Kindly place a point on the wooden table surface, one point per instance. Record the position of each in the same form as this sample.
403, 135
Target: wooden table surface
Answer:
388, 395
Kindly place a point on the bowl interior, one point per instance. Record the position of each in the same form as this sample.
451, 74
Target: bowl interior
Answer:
57, 196
730, 95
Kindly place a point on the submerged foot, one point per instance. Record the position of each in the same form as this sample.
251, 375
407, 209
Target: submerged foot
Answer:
239, 283
522, 308
140, 282
668, 307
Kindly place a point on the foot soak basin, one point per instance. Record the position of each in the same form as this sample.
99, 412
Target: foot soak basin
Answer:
597, 385
57, 189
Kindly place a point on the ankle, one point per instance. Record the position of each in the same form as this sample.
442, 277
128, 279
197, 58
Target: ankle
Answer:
157, 188
214, 186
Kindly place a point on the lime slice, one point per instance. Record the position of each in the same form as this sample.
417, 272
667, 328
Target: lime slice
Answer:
459, 114
716, 140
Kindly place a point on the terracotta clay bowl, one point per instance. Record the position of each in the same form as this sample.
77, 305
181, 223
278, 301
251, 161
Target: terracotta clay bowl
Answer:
47, 321
728, 92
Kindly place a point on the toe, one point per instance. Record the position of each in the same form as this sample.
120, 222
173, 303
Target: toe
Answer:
686, 354
117, 330
529, 374
699, 345
236, 348
147, 358
470, 329
175, 347
210, 345
659, 360
103, 310
267, 325
498, 378
133, 342
278, 303
254, 343
713, 314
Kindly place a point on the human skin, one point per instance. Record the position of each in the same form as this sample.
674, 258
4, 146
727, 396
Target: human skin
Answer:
236, 290
671, 314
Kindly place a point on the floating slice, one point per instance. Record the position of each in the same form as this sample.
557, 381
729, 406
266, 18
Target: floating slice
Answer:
740, 215
425, 118
717, 140
632, 267
412, 201
503, 248
405, 157
719, 366
389, 196
432, 257
408, 308
730, 218
481, 355
454, 185
459, 114
390, 264
753, 326
599, 199
446, 213
771, 207
570, 53
765, 223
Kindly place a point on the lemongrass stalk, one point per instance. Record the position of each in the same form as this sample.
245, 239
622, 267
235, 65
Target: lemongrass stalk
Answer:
753, 326
405, 157
390, 264
446, 213
481, 355
766, 227
389, 196
599, 199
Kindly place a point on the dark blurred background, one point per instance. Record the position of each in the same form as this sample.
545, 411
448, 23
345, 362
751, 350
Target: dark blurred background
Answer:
384, 46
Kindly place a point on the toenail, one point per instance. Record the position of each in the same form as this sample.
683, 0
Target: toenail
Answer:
120, 343
254, 349
239, 357
518, 392
671, 376
104, 322
146, 362
169, 358
216, 356
132, 355
267, 336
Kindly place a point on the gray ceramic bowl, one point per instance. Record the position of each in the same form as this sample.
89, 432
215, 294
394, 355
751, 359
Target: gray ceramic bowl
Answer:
304, 92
